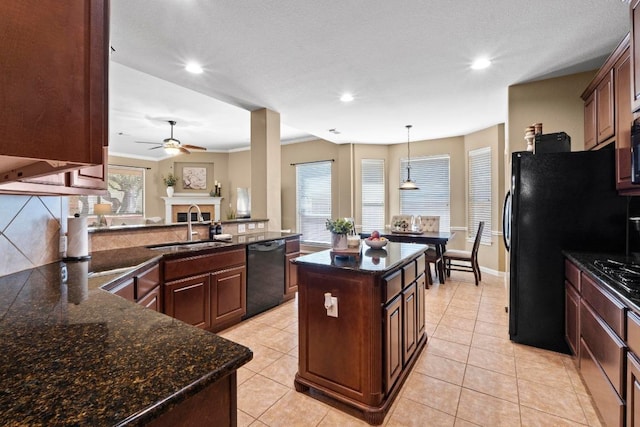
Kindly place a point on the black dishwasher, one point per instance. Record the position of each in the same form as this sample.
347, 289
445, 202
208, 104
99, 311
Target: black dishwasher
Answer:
265, 275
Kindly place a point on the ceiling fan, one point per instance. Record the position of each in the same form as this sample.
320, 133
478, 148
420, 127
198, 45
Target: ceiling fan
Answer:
172, 145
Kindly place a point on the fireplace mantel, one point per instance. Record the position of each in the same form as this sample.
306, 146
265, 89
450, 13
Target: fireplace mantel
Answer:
186, 200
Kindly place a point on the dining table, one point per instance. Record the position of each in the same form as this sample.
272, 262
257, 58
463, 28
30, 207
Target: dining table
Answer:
437, 239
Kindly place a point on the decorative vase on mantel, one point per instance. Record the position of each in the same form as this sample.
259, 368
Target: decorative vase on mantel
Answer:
170, 191
339, 241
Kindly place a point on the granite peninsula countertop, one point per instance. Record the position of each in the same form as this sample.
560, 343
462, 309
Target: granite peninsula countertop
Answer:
75, 354
372, 261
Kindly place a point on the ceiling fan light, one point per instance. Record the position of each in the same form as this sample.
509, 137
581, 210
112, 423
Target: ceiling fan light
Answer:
172, 151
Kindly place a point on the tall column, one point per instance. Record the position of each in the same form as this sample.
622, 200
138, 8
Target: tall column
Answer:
265, 167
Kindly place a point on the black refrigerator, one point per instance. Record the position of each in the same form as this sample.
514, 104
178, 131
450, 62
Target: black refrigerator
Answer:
559, 201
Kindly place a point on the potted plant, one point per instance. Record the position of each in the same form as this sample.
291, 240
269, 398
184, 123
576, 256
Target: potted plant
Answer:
339, 229
170, 181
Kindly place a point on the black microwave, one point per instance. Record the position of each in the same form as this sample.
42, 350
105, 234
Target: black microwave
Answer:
635, 151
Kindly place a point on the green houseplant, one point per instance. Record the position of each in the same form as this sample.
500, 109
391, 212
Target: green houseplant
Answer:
170, 181
339, 229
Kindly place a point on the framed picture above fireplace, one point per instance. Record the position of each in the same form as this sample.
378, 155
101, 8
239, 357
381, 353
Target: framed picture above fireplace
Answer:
195, 177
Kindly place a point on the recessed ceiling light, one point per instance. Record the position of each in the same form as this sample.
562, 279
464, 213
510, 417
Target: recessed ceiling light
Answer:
480, 64
194, 68
346, 97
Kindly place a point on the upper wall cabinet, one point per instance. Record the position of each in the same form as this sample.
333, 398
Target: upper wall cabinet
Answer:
53, 87
607, 112
635, 55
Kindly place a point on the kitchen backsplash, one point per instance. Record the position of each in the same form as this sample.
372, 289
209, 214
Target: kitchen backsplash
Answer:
30, 229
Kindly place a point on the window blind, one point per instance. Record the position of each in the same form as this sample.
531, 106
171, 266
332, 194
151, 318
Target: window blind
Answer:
373, 194
431, 174
480, 193
313, 201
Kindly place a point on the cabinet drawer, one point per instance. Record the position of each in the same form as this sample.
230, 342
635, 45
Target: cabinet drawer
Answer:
421, 265
392, 285
609, 404
409, 273
633, 332
191, 266
572, 274
607, 307
605, 347
147, 281
292, 246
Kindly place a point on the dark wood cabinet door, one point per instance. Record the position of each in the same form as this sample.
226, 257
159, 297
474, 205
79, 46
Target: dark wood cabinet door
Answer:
147, 280
604, 108
188, 300
393, 341
590, 122
572, 318
623, 116
152, 300
228, 296
635, 54
290, 276
421, 283
54, 79
633, 390
410, 321
126, 290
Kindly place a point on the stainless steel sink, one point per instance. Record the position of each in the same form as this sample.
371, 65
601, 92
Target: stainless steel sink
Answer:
189, 246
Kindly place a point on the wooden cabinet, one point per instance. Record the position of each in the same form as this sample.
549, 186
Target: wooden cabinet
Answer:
292, 251
362, 357
126, 290
633, 370
152, 300
206, 290
590, 122
598, 329
604, 108
147, 288
393, 342
635, 54
623, 119
54, 85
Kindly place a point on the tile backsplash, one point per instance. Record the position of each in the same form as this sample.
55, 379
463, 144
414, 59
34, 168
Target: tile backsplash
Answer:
30, 228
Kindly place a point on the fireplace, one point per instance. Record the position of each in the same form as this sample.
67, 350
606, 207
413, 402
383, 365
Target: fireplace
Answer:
179, 204
182, 216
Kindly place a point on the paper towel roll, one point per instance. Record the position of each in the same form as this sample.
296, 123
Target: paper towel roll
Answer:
77, 237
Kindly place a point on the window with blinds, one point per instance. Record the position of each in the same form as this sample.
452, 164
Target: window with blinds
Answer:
313, 201
480, 193
431, 175
373, 194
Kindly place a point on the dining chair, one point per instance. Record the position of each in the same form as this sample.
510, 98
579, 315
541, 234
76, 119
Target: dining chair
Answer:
431, 223
465, 257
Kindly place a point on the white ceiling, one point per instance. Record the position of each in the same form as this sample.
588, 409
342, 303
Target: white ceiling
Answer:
405, 62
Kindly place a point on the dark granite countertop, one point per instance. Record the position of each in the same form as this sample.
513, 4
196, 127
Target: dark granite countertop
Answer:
173, 224
372, 261
585, 260
75, 354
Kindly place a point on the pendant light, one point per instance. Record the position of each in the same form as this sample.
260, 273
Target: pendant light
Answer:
408, 184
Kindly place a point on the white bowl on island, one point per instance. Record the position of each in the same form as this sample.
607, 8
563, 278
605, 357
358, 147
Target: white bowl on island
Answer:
376, 243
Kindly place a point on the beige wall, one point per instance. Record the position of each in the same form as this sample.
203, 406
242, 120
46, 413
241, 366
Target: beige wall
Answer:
238, 176
555, 103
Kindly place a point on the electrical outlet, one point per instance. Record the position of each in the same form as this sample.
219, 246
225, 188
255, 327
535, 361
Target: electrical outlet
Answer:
252, 226
242, 228
261, 225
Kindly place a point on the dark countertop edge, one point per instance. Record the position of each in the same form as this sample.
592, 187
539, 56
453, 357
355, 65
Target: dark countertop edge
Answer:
159, 408
301, 261
582, 260
173, 224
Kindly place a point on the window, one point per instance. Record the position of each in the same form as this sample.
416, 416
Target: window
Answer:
480, 193
431, 174
313, 201
125, 194
372, 176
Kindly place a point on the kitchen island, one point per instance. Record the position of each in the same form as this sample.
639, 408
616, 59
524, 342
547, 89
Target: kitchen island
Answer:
361, 324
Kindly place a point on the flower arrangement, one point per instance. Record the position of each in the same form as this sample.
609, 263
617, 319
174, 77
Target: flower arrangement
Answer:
339, 226
170, 180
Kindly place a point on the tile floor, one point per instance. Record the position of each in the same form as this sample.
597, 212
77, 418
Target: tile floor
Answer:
468, 374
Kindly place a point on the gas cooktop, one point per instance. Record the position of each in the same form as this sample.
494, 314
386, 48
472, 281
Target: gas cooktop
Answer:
625, 275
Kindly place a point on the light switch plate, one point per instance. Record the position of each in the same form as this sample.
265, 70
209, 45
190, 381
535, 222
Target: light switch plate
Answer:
261, 225
332, 311
242, 228
252, 226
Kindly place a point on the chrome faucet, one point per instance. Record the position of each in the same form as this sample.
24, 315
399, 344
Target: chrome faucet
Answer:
190, 231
